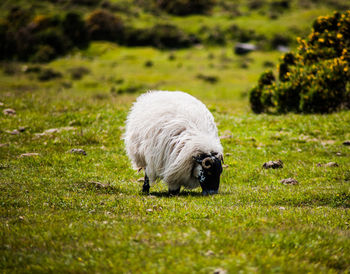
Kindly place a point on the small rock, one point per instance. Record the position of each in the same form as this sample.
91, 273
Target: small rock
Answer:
226, 137
13, 132
29, 154
149, 209
209, 253
273, 164
346, 143
244, 48
282, 208
331, 164
1, 104
228, 154
282, 48
54, 130
4, 145
78, 151
225, 166
289, 181
9, 111
220, 271
338, 154
141, 180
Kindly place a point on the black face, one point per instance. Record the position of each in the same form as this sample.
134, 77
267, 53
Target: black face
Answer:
209, 176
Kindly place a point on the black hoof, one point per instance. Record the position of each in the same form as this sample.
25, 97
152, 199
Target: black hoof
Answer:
146, 186
145, 189
174, 192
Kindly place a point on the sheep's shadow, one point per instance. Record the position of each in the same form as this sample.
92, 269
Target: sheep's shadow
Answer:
184, 193
181, 194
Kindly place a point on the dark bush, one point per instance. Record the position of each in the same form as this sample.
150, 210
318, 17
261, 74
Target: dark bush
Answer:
213, 36
208, 78
280, 40
85, 2
75, 29
160, 36
148, 64
260, 98
48, 74
18, 17
185, 7
239, 34
44, 53
168, 36
42, 38
280, 5
8, 41
103, 25
137, 37
54, 38
128, 88
316, 79
78, 72
256, 4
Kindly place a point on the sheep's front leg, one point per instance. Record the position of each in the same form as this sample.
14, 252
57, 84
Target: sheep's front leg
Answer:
145, 187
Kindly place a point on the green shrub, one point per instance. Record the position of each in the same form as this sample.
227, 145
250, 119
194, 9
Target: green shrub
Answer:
85, 2
40, 38
185, 7
103, 25
43, 54
159, 36
168, 36
315, 79
75, 29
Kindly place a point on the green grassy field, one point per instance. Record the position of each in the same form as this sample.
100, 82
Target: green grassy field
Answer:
65, 212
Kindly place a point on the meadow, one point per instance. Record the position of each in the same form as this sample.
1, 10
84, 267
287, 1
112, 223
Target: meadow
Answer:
69, 212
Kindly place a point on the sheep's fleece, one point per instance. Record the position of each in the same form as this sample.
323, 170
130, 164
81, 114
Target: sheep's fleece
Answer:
164, 130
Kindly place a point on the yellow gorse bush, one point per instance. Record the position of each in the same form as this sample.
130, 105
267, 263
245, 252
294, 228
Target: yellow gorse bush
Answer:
315, 78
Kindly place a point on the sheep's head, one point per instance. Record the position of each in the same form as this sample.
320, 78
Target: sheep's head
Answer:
207, 170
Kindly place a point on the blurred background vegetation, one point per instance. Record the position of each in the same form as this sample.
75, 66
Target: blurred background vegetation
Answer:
39, 31
42, 31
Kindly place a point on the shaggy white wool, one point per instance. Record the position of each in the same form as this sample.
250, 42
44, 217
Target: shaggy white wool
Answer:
164, 130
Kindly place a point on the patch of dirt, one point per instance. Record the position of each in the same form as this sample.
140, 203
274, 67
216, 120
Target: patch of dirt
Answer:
273, 164
289, 181
78, 151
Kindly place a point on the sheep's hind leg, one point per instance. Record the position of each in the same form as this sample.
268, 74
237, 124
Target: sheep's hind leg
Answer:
145, 187
174, 192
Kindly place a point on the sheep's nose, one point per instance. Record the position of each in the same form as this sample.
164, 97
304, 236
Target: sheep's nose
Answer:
209, 192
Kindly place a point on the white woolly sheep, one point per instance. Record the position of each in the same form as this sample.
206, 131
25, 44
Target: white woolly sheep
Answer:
173, 137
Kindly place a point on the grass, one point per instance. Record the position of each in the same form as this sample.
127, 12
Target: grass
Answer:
53, 218
64, 212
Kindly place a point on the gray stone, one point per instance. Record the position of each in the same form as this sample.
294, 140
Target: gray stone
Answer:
244, 48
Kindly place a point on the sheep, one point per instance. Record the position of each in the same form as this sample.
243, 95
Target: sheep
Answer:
173, 137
